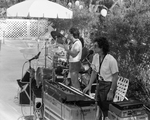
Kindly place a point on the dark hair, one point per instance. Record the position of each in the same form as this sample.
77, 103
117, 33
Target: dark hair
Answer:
102, 43
75, 32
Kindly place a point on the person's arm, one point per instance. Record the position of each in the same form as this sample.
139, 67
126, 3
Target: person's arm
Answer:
114, 82
93, 77
94, 74
75, 51
114, 69
112, 89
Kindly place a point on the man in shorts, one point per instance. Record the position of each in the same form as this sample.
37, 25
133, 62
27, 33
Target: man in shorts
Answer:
74, 53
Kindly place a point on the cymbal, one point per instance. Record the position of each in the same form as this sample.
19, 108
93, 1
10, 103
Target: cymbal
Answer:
56, 34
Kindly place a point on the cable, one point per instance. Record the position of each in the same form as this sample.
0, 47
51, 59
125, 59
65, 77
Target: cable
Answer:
21, 106
21, 118
22, 77
82, 113
61, 111
23, 69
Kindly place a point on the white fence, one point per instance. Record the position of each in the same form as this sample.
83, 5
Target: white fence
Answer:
22, 28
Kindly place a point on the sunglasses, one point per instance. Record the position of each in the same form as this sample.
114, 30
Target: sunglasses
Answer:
95, 46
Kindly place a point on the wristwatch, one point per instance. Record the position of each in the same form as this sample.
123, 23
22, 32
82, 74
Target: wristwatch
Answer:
111, 90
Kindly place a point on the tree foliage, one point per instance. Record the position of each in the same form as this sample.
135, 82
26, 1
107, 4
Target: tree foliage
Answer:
129, 36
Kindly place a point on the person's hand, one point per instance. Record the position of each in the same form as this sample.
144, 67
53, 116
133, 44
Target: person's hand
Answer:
110, 95
88, 88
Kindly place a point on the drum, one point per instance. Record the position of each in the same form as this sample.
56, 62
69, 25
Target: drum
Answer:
59, 71
42, 74
62, 62
85, 67
57, 61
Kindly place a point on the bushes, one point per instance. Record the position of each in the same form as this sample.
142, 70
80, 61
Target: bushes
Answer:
129, 36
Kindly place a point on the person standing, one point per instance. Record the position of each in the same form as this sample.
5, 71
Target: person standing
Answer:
105, 70
74, 54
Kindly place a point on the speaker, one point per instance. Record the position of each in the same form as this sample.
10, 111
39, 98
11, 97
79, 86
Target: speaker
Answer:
30, 73
38, 108
26, 77
24, 95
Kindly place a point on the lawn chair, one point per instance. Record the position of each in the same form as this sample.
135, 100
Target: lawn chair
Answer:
122, 87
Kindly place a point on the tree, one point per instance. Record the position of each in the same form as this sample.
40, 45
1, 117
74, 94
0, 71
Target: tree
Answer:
128, 32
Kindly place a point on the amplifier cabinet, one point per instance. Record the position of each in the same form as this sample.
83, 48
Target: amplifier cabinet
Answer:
113, 116
127, 112
55, 110
127, 108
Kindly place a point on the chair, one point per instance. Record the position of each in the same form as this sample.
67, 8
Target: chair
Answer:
122, 87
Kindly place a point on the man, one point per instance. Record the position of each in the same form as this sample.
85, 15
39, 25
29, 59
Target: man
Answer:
105, 69
74, 54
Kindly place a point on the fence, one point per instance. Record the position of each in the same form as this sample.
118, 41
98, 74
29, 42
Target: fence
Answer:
22, 28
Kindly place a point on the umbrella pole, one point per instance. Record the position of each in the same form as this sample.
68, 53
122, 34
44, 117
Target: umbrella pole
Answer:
46, 52
38, 34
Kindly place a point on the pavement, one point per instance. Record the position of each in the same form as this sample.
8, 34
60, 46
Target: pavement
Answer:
11, 69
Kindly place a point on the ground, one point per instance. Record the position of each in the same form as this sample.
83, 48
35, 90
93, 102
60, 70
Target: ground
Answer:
11, 63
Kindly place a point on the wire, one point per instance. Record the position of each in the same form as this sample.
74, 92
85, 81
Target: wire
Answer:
61, 112
21, 118
23, 69
21, 105
22, 77
82, 113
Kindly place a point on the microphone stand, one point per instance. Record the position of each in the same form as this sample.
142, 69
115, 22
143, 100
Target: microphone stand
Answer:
46, 52
30, 78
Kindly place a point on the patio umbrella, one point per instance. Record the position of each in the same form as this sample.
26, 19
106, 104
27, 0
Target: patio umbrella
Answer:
39, 9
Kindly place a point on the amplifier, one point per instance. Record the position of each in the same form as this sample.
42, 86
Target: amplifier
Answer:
113, 116
55, 110
127, 108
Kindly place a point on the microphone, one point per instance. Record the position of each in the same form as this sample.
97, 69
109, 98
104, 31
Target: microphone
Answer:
90, 53
35, 57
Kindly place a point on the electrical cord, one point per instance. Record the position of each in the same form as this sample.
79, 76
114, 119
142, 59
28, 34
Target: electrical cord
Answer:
61, 111
21, 105
82, 113
22, 77
21, 118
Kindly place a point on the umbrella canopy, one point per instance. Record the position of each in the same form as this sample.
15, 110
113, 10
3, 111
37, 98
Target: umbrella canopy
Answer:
39, 8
